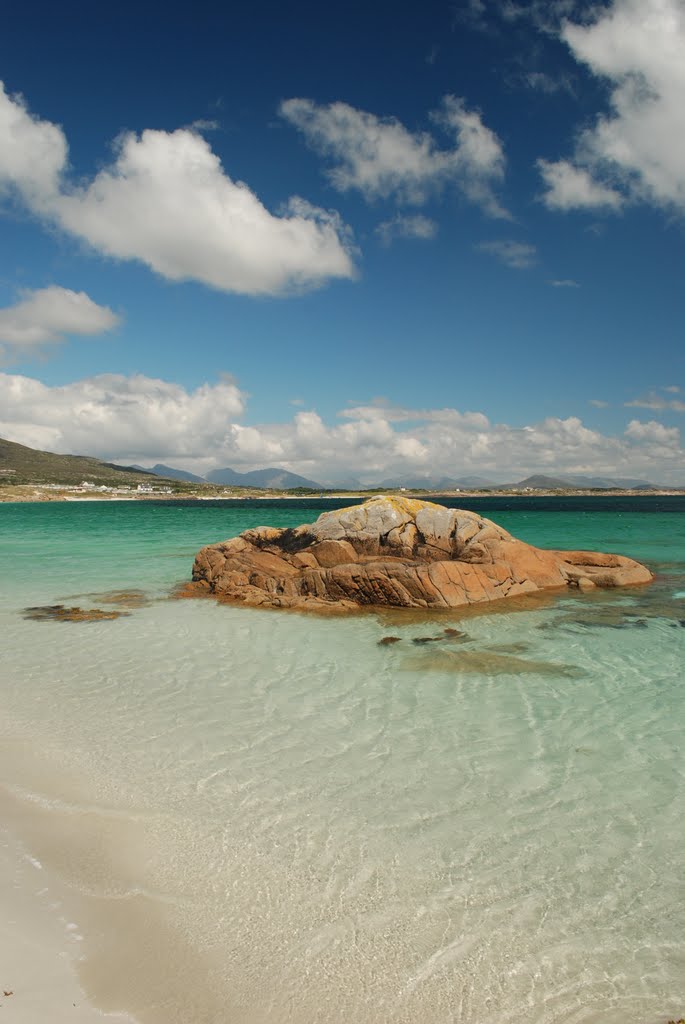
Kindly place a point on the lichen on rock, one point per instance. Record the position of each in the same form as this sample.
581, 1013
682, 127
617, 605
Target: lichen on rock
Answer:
397, 552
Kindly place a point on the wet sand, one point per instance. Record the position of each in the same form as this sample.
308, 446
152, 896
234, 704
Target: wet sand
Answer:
40, 947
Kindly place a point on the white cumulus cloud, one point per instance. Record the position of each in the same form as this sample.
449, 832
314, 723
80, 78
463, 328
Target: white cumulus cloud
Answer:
49, 315
572, 188
636, 149
33, 153
380, 157
116, 417
144, 420
166, 201
653, 433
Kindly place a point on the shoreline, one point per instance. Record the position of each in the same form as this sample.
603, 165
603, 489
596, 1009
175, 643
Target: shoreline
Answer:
34, 494
87, 937
40, 945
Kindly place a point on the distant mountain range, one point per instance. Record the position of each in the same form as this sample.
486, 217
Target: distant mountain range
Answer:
269, 479
437, 483
551, 483
538, 481
278, 479
173, 474
607, 481
21, 464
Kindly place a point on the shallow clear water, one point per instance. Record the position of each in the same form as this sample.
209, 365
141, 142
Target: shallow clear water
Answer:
263, 816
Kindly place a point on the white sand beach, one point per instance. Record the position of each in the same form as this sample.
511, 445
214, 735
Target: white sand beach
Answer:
39, 947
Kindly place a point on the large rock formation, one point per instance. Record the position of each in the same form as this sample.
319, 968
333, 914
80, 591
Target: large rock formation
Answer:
400, 552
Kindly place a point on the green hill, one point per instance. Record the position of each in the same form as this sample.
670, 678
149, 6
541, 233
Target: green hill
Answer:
22, 465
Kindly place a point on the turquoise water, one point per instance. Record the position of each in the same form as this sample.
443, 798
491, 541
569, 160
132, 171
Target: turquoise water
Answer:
270, 817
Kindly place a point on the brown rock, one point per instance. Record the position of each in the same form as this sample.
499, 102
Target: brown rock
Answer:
328, 553
400, 552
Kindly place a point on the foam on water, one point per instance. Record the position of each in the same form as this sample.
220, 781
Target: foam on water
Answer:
263, 816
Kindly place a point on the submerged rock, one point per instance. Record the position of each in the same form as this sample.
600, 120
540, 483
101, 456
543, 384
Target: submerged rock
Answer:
488, 662
123, 598
62, 613
400, 552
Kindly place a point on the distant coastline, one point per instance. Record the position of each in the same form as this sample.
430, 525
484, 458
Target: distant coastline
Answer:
42, 493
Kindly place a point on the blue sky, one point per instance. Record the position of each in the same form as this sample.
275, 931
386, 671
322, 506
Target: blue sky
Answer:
439, 240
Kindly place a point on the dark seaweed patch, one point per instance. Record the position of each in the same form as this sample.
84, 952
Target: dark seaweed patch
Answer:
62, 613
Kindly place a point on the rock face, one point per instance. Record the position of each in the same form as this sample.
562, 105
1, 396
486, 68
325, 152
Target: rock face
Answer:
396, 551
